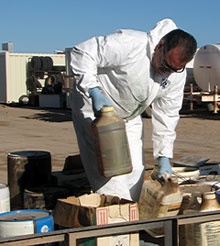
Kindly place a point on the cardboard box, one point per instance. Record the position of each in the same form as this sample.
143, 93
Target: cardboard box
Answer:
210, 169
94, 209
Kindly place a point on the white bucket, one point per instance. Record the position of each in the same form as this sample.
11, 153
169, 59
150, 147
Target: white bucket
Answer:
185, 173
4, 198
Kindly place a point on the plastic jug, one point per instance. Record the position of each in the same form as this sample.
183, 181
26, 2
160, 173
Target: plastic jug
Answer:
207, 233
209, 202
159, 200
111, 144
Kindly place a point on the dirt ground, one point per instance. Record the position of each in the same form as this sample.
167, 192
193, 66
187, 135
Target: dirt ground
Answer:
32, 128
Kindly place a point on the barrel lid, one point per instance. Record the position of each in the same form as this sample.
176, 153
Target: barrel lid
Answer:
24, 215
107, 109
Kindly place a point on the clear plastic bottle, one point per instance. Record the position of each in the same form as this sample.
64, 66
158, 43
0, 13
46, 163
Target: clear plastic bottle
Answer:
111, 144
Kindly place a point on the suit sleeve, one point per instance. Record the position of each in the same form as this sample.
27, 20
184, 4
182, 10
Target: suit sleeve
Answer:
165, 116
109, 51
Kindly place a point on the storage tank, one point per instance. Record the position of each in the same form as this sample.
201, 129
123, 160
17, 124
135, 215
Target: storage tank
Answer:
206, 67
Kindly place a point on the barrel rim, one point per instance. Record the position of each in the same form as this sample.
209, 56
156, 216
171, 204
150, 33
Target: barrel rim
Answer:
28, 153
26, 210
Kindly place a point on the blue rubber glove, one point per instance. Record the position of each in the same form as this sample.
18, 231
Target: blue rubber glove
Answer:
164, 166
98, 100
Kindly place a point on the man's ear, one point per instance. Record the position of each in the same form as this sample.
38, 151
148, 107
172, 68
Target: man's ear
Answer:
159, 45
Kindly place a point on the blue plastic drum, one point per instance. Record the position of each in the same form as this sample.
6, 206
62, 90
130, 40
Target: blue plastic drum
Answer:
217, 193
24, 222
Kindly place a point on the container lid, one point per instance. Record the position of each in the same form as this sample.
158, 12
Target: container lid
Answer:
107, 109
24, 215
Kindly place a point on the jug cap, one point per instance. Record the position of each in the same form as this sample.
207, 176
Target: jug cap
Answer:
107, 109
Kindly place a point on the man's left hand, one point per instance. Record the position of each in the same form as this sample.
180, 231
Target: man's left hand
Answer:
164, 166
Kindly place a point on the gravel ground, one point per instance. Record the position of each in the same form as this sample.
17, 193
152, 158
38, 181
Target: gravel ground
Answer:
28, 128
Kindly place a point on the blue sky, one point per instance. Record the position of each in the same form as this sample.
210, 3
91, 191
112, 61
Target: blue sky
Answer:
46, 25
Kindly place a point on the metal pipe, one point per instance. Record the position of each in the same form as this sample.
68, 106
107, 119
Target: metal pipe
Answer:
170, 225
216, 108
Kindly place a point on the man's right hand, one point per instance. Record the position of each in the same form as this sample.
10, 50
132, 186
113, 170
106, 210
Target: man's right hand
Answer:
98, 100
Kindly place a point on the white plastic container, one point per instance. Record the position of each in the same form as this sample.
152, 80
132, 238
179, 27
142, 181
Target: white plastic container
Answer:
207, 233
185, 173
4, 198
206, 67
159, 200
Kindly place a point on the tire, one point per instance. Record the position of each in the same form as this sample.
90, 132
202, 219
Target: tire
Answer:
53, 84
59, 77
50, 80
39, 75
24, 100
49, 63
32, 84
44, 65
36, 63
37, 83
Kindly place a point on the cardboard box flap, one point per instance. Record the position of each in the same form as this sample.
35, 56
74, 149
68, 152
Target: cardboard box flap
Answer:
90, 200
114, 214
119, 211
71, 200
70, 215
114, 211
124, 211
108, 200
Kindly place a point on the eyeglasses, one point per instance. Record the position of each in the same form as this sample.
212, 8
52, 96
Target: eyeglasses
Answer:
168, 67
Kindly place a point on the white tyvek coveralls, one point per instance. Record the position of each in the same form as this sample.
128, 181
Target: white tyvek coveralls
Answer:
120, 65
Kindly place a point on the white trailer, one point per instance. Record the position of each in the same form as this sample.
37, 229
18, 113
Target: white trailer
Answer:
14, 71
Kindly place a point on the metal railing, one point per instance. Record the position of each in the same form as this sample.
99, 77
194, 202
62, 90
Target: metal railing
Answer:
69, 236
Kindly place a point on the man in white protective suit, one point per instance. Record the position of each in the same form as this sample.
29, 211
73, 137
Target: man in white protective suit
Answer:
131, 70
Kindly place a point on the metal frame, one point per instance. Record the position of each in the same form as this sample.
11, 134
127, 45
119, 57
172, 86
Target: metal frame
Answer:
170, 224
206, 97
